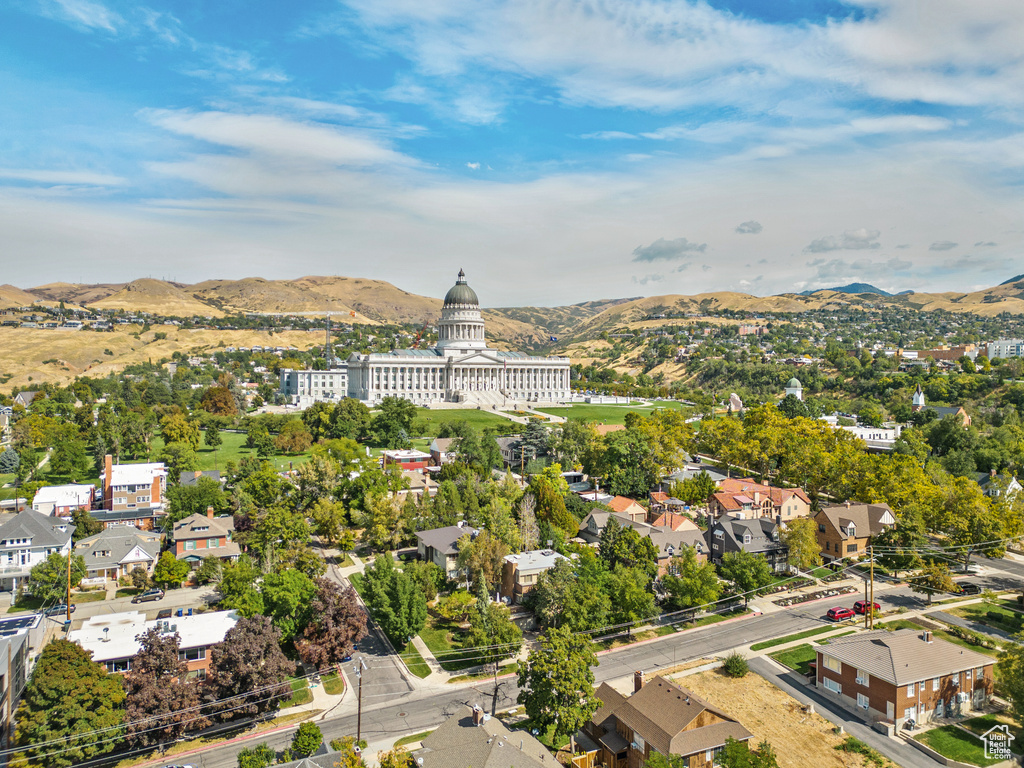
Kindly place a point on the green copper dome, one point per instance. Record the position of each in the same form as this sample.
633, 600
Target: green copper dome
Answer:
794, 383
460, 293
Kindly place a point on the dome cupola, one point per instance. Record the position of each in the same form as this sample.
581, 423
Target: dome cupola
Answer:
461, 294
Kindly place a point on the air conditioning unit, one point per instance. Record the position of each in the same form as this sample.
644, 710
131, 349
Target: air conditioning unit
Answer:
962, 697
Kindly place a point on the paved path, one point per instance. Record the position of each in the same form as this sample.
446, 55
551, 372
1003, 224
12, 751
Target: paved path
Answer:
792, 683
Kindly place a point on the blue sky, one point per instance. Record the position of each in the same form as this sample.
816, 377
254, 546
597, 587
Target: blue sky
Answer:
558, 151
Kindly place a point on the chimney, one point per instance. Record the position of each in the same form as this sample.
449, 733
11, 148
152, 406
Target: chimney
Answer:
196, 474
992, 472
638, 680
927, 636
108, 470
478, 715
847, 503
209, 512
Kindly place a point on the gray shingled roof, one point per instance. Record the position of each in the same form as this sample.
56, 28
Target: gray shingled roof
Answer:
119, 541
760, 530
459, 743
903, 656
445, 539
43, 530
865, 517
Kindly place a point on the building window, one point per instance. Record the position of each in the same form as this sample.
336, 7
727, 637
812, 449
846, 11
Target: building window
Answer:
212, 543
910, 689
190, 544
862, 677
851, 547
191, 654
834, 664
935, 684
862, 701
832, 685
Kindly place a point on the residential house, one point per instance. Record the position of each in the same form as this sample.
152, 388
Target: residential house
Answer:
113, 637
846, 530
903, 675
134, 492
197, 537
758, 500
759, 536
441, 547
519, 572
661, 717
441, 451
419, 483
994, 486
669, 542
473, 739
625, 506
117, 551
62, 500
28, 538
192, 478
673, 521
661, 502
25, 398
406, 459
511, 451
689, 471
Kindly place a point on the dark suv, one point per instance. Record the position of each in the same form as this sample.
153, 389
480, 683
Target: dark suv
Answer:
148, 596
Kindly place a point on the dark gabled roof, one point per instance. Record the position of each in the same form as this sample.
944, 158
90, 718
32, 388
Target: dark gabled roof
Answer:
761, 532
119, 541
445, 539
44, 530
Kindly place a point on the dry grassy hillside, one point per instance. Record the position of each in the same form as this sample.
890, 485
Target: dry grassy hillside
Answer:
75, 293
74, 353
10, 296
156, 297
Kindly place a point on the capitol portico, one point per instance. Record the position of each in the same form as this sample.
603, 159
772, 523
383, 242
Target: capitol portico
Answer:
461, 369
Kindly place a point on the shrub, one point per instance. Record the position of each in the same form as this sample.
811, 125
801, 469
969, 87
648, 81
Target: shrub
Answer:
307, 739
259, 756
735, 665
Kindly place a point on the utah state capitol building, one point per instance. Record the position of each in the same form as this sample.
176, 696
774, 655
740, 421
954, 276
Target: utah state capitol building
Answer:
460, 370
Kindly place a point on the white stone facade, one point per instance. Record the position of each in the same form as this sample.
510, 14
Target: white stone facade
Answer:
461, 368
307, 387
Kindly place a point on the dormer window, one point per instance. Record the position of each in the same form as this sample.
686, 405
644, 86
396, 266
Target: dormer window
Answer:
851, 530
746, 538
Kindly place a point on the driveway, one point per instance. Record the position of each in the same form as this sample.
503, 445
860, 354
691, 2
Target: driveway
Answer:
792, 683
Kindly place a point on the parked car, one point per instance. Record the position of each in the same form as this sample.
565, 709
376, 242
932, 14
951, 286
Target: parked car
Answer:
840, 614
57, 610
968, 589
861, 606
148, 596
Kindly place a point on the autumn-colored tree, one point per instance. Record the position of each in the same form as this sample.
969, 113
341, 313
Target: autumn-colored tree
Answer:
338, 621
293, 438
162, 704
219, 400
177, 428
248, 671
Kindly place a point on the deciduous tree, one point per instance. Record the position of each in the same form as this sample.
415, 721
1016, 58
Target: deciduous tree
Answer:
72, 705
801, 537
749, 572
395, 601
169, 570
556, 682
48, 580
248, 671
337, 622
689, 582
931, 579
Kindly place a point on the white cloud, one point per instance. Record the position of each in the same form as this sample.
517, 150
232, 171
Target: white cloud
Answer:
82, 14
850, 240
473, 166
61, 177
667, 249
749, 228
942, 245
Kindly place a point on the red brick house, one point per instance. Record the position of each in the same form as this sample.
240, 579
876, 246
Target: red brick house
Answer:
903, 675
200, 536
846, 530
754, 499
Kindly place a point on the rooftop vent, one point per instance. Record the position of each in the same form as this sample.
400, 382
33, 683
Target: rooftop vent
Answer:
547, 552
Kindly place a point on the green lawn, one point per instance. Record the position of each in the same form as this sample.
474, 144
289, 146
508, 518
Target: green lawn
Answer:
605, 414
954, 743
441, 639
428, 422
93, 596
713, 618
231, 449
300, 693
412, 738
504, 669
790, 638
26, 603
985, 723
546, 736
414, 661
356, 580
909, 624
798, 658
333, 683
979, 612
127, 592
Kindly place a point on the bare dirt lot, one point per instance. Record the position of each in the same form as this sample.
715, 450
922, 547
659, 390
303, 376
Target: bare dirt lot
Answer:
800, 740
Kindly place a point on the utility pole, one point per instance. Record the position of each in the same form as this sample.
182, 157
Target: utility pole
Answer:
871, 600
67, 605
359, 667
867, 611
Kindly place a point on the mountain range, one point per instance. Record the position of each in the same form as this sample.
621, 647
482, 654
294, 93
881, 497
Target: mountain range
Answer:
365, 301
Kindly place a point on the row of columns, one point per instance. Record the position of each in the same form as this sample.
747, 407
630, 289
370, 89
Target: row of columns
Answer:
463, 331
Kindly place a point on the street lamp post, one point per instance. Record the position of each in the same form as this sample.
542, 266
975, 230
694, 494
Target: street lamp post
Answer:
358, 669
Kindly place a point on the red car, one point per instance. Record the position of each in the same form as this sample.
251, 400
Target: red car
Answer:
861, 607
839, 614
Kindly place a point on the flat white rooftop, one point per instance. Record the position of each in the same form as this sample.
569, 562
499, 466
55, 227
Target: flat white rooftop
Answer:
112, 636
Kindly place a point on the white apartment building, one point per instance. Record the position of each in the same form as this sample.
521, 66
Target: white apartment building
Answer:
63, 499
1004, 348
303, 388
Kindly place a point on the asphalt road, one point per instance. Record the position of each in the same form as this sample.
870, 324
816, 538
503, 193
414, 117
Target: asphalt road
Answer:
188, 597
387, 715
